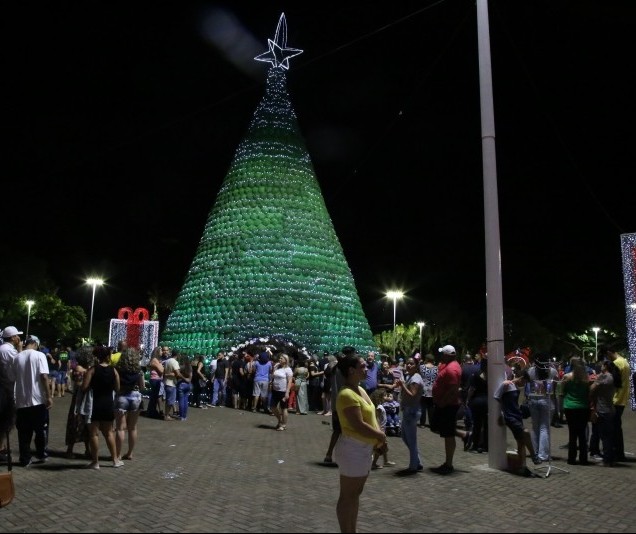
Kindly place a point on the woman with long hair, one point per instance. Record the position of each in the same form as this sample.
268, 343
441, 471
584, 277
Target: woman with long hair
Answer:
576, 405
77, 419
156, 373
184, 385
128, 401
410, 394
103, 380
361, 434
281, 386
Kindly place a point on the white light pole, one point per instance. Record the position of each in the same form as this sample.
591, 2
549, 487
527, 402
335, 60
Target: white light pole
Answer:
93, 282
395, 295
29, 304
595, 329
421, 324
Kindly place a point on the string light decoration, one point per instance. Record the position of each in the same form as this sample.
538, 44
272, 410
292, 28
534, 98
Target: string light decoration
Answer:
135, 329
269, 263
628, 248
278, 54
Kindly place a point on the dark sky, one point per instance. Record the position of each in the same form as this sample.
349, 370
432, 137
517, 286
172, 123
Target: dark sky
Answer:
121, 120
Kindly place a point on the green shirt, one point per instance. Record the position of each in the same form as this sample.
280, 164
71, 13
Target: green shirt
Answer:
577, 395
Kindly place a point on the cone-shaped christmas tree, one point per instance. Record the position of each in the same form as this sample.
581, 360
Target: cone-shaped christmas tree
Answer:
269, 262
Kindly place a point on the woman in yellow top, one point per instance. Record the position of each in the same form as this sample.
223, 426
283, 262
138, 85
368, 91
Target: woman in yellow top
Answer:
360, 435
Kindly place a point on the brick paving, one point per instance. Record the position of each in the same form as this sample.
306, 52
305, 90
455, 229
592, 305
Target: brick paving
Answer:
225, 470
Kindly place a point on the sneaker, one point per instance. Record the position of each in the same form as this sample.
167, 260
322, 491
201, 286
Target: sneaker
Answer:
536, 460
92, 465
443, 469
39, 460
596, 458
118, 463
389, 463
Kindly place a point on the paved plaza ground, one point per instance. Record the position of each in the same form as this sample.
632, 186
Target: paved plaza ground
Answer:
225, 470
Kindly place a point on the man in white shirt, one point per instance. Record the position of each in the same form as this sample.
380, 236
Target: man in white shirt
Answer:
32, 399
10, 345
171, 375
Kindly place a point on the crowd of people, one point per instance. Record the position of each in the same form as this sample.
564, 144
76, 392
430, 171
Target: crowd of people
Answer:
368, 398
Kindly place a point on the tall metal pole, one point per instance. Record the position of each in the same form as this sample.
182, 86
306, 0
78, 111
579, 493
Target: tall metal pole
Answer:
494, 301
90, 324
29, 303
421, 325
394, 306
595, 330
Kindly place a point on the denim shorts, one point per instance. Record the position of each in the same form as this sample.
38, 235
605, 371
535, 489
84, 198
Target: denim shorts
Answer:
171, 394
128, 402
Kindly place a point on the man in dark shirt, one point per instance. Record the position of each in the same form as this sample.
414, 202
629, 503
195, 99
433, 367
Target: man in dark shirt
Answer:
220, 380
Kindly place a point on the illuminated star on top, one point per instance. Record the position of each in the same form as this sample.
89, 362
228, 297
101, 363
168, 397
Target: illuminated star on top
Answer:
278, 54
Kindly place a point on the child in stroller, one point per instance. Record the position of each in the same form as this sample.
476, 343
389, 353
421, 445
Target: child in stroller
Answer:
392, 409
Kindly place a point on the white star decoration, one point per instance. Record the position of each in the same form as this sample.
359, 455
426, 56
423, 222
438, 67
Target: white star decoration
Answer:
278, 54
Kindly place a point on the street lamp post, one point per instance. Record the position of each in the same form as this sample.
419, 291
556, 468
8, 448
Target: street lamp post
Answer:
595, 329
29, 304
93, 282
421, 324
395, 295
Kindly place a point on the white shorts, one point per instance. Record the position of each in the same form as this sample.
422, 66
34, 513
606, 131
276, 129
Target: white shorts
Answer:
353, 457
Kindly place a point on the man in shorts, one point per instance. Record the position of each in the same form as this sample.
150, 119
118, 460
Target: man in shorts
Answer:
446, 397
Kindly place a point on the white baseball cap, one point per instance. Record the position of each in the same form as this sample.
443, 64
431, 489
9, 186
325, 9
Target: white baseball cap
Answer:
447, 349
10, 331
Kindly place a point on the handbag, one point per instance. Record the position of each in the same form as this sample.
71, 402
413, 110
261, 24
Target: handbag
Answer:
7, 488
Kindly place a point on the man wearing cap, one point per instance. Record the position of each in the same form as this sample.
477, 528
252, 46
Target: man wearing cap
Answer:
11, 345
447, 401
33, 399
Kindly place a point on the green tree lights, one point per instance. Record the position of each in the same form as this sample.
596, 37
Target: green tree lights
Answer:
269, 262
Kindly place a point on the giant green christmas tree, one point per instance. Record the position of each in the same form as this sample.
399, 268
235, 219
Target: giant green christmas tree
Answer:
269, 262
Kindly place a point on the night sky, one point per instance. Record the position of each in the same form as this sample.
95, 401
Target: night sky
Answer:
121, 120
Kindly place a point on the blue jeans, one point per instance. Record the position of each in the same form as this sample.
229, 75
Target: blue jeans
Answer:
218, 386
183, 394
540, 414
410, 418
